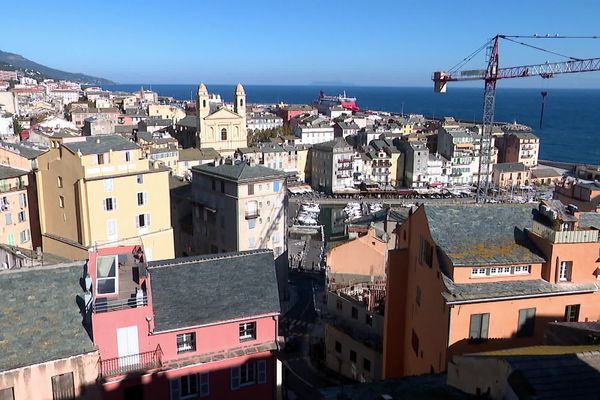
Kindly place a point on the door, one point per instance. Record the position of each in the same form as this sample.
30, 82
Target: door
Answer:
127, 346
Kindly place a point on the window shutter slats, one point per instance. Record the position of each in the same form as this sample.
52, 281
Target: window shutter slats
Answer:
235, 378
175, 389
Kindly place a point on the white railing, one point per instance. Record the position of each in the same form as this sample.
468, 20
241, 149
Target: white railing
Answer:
583, 236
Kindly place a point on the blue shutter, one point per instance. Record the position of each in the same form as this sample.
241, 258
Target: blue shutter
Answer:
235, 378
175, 389
262, 371
276, 186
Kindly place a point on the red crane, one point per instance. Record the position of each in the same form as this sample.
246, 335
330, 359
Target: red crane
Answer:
490, 76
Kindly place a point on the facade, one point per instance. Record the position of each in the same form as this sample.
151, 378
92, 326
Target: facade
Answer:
78, 116
313, 133
99, 191
67, 96
191, 157
98, 126
521, 147
585, 196
165, 111
238, 207
331, 166
438, 170
196, 327
287, 113
14, 207
8, 75
378, 167
416, 160
506, 175
262, 121
343, 129
46, 351
472, 278
222, 130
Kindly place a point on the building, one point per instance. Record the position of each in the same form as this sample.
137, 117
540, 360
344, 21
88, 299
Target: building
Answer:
263, 121
46, 351
191, 157
165, 156
10, 102
377, 167
14, 207
185, 131
93, 126
521, 147
473, 278
98, 191
165, 111
416, 161
239, 207
78, 115
222, 130
343, 129
182, 328
545, 176
331, 166
7, 131
583, 195
506, 175
293, 111
8, 75
66, 96
313, 132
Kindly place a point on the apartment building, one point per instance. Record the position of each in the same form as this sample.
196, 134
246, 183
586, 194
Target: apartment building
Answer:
473, 278
46, 351
195, 327
238, 207
165, 111
78, 116
99, 191
14, 207
313, 129
505, 175
416, 159
263, 120
584, 195
521, 147
331, 166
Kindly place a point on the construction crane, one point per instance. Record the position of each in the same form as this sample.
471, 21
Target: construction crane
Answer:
490, 76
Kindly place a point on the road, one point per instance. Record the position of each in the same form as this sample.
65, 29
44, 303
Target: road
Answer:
302, 379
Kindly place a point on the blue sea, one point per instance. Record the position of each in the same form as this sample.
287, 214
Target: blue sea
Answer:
571, 126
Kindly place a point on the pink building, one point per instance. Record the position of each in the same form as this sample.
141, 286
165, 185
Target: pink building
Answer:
195, 327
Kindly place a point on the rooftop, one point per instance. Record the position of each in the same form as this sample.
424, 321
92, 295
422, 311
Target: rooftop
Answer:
29, 151
492, 234
510, 167
193, 154
589, 220
240, 171
337, 143
8, 172
195, 291
40, 319
100, 144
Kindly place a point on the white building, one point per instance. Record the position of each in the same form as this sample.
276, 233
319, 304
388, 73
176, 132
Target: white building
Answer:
6, 124
67, 96
332, 166
320, 132
262, 121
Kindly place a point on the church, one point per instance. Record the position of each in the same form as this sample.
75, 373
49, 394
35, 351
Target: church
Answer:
222, 129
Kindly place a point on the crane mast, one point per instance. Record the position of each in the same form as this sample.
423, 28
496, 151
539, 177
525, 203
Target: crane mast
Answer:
490, 76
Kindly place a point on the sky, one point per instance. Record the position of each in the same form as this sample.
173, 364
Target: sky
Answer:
366, 43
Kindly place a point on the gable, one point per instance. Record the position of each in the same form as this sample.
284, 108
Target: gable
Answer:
223, 113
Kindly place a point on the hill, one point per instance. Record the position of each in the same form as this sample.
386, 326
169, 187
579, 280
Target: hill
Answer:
32, 69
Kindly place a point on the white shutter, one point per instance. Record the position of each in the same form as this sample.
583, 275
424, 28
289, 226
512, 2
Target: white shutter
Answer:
262, 371
137, 221
235, 378
114, 203
104, 204
147, 220
145, 198
175, 389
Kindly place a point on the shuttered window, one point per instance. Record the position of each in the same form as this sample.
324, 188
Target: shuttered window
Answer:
7, 394
63, 387
526, 322
478, 329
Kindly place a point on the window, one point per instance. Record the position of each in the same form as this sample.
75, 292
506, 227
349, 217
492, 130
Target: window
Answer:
522, 269
142, 198
142, 220
478, 328
276, 183
526, 322
111, 229
338, 347
418, 299
140, 178
189, 385
8, 218
251, 242
369, 319
572, 313
63, 387
22, 216
223, 134
564, 273
252, 223
366, 364
250, 188
352, 356
222, 186
7, 394
108, 185
100, 158
127, 156
214, 184
276, 235
339, 305
61, 202
186, 342
106, 275
354, 313
425, 252
415, 343
246, 374
247, 331
110, 204
60, 182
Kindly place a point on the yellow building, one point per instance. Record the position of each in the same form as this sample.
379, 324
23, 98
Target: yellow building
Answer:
14, 208
223, 130
99, 191
166, 111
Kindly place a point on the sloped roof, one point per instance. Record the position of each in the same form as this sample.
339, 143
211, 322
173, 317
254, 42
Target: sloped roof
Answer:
100, 144
29, 152
589, 220
8, 172
195, 291
222, 113
239, 171
510, 167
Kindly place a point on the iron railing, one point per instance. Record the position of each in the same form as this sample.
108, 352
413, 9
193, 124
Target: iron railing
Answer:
131, 363
104, 305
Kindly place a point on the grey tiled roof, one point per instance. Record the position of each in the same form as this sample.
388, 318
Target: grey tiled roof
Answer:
190, 121
40, 319
193, 154
492, 234
523, 134
28, 151
545, 173
589, 220
8, 172
332, 144
510, 167
194, 291
239, 172
100, 144
460, 292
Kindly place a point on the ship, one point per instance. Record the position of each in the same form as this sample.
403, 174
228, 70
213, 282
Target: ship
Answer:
325, 102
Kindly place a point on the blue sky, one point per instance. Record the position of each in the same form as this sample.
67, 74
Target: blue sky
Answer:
379, 43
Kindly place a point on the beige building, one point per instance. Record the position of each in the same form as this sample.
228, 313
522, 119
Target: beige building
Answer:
165, 111
238, 207
223, 130
14, 207
506, 175
100, 191
521, 147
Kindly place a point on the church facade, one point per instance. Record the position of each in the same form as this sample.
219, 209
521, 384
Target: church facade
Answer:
222, 130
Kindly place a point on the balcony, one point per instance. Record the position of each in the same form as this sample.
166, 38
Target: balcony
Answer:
104, 304
582, 236
252, 214
131, 364
344, 168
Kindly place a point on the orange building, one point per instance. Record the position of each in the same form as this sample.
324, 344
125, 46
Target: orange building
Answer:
472, 278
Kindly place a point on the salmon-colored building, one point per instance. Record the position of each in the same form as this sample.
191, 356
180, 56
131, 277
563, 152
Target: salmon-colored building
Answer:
586, 196
472, 278
196, 327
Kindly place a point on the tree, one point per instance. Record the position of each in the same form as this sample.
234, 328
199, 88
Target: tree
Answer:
17, 127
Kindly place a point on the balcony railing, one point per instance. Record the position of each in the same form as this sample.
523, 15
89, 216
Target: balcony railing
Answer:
132, 363
583, 236
252, 214
103, 304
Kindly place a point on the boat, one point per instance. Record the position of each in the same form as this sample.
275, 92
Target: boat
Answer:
325, 102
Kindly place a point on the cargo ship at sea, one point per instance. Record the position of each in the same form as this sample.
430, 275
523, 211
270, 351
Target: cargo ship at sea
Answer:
325, 102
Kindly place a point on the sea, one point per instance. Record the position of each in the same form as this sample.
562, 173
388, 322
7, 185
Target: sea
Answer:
570, 130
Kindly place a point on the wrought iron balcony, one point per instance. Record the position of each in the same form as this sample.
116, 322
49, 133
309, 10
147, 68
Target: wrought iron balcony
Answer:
102, 304
132, 363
